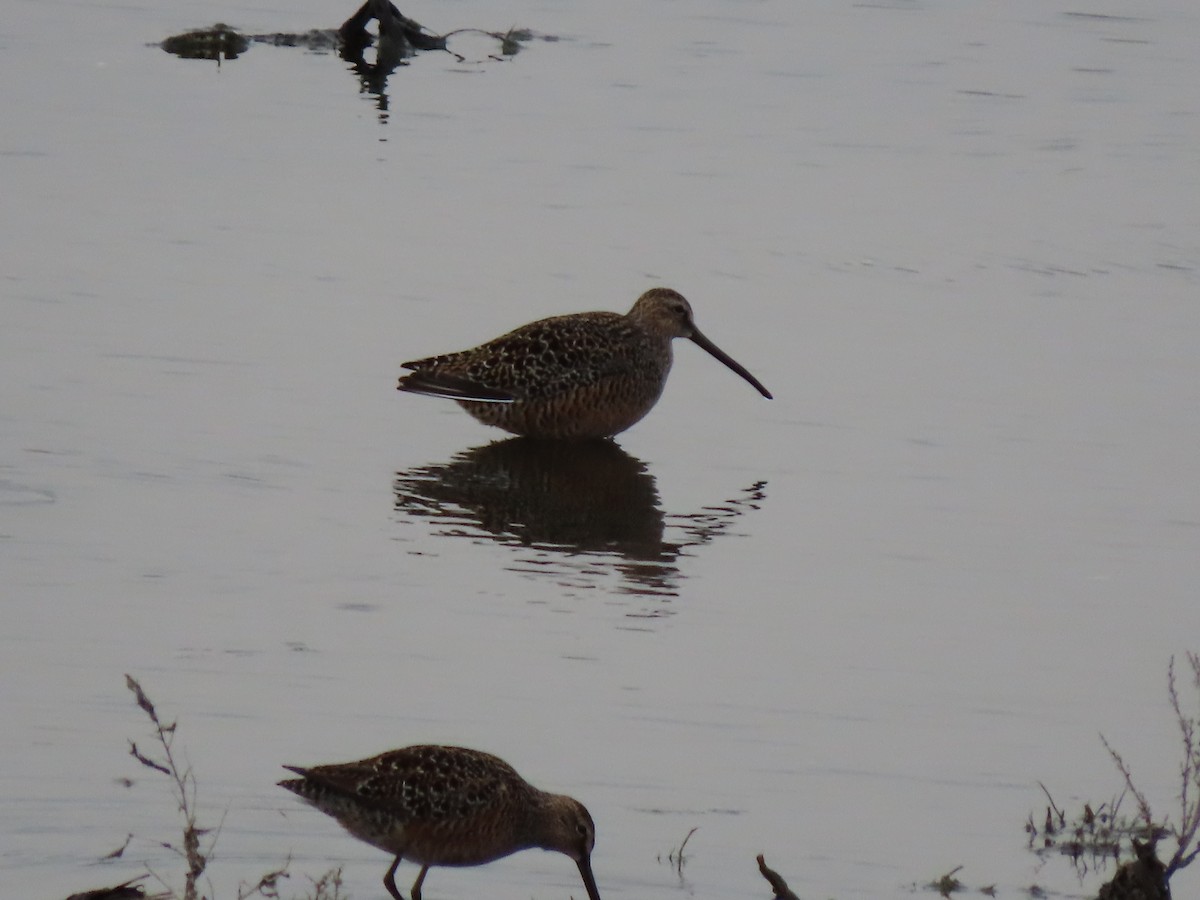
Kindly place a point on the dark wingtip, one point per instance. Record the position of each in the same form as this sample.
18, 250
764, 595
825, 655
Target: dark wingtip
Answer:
293, 783
451, 387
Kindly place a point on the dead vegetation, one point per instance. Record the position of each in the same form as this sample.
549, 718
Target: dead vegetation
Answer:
198, 843
196, 846
948, 883
1097, 834
675, 857
1103, 832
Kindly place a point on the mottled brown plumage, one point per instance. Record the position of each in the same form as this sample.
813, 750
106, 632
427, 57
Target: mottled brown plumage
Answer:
446, 806
586, 375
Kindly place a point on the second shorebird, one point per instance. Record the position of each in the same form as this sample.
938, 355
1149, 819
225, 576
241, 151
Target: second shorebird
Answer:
447, 806
574, 377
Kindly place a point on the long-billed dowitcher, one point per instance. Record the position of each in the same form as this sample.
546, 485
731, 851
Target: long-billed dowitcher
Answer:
446, 806
586, 375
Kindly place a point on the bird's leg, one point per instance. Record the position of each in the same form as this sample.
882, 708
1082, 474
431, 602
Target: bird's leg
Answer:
416, 888
389, 880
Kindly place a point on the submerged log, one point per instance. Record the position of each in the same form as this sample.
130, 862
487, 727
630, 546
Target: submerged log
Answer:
1142, 878
393, 26
399, 36
218, 42
128, 890
778, 885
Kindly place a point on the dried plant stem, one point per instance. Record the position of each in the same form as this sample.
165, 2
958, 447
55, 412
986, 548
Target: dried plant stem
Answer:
183, 786
1186, 830
198, 855
1189, 773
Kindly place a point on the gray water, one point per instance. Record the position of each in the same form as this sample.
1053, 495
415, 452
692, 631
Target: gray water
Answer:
850, 628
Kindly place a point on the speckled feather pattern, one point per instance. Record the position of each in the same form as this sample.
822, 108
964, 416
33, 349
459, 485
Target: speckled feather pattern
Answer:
443, 806
577, 376
546, 358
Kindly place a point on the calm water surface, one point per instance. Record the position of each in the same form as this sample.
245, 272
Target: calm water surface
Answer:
850, 628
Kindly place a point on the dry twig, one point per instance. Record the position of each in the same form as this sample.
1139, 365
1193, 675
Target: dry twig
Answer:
183, 786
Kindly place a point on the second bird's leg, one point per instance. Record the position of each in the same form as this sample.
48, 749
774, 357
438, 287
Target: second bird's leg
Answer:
416, 888
389, 880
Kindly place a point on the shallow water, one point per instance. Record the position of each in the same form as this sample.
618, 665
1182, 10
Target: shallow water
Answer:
850, 628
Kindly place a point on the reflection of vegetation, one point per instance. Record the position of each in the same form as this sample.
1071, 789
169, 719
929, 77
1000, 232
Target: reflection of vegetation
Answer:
1102, 832
510, 41
675, 857
1089, 839
948, 883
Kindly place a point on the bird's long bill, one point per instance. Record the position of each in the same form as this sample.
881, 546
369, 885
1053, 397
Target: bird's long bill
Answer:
589, 881
716, 352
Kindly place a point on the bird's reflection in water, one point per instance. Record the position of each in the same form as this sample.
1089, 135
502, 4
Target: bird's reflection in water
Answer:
574, 512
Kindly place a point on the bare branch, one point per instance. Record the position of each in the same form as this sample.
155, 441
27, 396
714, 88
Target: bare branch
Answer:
1144, 812
778, 885
1189, 774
